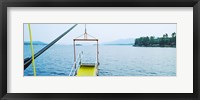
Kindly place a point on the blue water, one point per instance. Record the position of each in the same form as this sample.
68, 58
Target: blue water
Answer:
115, 60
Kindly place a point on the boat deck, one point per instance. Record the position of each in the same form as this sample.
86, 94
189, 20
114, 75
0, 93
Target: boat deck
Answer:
87, 70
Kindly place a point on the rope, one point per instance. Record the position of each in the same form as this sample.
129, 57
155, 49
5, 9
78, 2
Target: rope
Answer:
91, 36
79, 36
85, 34
32, 50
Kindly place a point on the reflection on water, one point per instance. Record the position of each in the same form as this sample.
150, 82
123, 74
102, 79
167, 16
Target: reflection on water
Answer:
115, 60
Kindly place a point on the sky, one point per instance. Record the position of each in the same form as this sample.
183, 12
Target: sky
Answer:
103, 32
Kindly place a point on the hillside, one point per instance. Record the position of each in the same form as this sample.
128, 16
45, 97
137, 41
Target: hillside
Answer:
129, 41
34, 43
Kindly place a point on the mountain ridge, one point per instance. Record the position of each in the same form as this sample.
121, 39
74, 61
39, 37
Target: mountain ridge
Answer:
34, 43
128, 41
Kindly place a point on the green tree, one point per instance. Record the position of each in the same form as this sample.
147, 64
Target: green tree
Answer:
152, 38
161, 41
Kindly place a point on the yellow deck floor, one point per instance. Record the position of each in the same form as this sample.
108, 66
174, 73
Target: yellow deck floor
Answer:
85, 70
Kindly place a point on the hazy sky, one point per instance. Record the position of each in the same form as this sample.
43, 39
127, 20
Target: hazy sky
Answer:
104, 32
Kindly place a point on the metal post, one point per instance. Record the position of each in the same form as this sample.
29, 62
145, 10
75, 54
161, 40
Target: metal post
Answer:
97, 52
85, 34
74, 51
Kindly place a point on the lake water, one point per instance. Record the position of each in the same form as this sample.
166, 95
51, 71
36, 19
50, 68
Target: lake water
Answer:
115, 60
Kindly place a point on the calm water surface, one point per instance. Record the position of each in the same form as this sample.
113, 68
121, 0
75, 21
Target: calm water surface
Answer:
115, 60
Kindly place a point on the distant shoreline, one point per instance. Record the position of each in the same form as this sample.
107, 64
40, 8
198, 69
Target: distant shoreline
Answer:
116, 44
156, 46
112, 45
105, 45
34, 43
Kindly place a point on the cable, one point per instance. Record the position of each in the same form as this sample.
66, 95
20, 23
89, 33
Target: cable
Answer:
32, 50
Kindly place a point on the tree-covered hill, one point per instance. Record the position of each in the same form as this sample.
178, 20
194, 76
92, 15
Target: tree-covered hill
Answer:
151, 41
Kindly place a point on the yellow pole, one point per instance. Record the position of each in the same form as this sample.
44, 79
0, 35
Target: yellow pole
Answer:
32, 50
